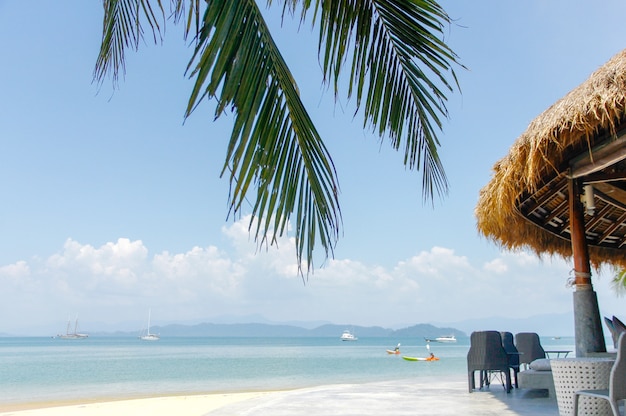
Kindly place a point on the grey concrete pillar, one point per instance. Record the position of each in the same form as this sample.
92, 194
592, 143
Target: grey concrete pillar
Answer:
587, 322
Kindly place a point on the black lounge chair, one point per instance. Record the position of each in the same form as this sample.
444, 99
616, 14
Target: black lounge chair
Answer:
487, 356
512, 353
529, 347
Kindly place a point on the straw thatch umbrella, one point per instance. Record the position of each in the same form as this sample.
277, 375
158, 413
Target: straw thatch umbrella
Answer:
561, 190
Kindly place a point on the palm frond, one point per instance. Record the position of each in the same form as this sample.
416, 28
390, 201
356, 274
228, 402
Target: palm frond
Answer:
399, 67
274, 146
123, 28
399, 70
193, 15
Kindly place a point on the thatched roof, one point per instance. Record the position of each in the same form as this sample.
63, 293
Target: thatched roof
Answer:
523, 204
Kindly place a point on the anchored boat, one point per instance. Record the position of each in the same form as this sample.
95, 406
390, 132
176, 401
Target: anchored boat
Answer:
348, 336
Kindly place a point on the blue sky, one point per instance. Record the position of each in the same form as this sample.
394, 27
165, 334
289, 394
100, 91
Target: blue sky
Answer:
112, 202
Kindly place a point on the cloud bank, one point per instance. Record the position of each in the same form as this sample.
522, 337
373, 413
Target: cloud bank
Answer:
115, 285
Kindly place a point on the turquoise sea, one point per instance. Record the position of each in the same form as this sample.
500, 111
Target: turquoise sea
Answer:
49, 369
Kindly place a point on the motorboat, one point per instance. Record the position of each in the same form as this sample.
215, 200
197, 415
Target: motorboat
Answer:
348, 336
447, 338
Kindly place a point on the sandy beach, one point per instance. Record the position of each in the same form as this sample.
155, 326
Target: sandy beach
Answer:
393, 398
191, 405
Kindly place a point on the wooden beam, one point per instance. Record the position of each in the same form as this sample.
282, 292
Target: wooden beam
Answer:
611, 194
614, 226
556, 212
602, 177
600, 157
550, 190
598, 216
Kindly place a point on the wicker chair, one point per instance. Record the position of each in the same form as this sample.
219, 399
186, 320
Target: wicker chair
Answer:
487, 356
529, 347
618, 327
612, 330
512, 353
617, 381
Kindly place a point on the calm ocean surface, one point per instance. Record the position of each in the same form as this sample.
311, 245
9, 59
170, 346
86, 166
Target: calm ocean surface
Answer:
47, 369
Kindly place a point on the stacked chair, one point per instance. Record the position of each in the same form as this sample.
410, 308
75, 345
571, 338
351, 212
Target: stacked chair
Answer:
529, 347
537, 375
487, 356
512, 353
616, 328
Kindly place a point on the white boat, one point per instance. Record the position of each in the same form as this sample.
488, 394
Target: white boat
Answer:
447, 338
348, 336
69, 334
147, 336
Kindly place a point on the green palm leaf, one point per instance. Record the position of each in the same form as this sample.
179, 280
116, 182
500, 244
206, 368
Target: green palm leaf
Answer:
398, 71
274, 147
122, 28
400, 66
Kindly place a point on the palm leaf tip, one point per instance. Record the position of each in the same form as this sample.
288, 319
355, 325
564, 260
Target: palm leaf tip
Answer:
274, 148
401, 70
123, 28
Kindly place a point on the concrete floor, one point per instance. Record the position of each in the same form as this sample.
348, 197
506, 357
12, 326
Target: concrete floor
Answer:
397, 398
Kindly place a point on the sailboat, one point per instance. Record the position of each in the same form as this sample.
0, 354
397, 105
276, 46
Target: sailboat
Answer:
148, 336
72, 335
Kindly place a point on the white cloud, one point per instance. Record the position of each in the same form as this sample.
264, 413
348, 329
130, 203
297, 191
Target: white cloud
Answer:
15, 271
118, 281
497, 266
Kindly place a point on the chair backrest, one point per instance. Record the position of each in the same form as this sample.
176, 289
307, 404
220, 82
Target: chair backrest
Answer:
529, 346
510, 348
486, 352
617, 382
614, 334
618, 326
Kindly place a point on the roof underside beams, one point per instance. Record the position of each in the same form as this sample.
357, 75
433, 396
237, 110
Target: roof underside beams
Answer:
605, 225
606, 154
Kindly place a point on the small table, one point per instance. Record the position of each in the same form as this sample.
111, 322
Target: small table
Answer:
558, 353
584, 373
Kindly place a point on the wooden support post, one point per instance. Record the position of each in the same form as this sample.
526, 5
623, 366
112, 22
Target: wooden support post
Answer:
580, 251
587, 322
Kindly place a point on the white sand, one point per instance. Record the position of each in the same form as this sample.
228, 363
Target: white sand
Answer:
195, 405
397, 398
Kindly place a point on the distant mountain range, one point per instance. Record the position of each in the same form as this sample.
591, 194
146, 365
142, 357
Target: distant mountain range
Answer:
258, 326
545, 325
561, 324
278, 330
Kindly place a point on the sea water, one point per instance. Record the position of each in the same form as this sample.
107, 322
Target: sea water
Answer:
50, 369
